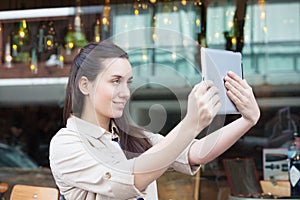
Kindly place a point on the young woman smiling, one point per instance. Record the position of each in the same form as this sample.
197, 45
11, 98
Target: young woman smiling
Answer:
100, 155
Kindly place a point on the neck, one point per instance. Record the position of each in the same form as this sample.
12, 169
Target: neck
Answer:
89, 114
92, 117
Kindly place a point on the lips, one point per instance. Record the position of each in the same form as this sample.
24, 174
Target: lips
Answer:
120, 104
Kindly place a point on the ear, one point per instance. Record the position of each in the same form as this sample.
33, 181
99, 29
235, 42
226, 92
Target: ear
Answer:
83, 85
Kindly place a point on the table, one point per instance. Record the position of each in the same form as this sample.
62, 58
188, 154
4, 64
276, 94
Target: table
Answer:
246, 198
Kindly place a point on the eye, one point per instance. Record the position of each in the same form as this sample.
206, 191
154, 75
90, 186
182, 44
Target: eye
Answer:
116, 81
129, 81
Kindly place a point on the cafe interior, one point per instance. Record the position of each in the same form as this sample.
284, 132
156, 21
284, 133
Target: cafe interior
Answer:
163, 38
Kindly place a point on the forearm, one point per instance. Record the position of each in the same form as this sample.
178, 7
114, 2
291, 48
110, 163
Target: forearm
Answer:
203, 104
211, 146
153, 163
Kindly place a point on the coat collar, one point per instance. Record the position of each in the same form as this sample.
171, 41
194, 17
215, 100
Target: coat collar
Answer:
81, 126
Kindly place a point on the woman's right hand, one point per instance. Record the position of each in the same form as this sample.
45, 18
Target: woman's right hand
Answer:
203, 105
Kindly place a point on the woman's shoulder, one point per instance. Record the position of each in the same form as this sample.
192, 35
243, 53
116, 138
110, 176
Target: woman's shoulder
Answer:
65, 135
65, 142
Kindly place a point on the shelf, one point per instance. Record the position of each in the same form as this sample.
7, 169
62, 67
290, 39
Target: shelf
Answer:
33, 91
47, 12
21, 70
33, 81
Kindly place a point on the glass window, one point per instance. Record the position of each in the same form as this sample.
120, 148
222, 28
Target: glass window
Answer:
272, 40
160, 40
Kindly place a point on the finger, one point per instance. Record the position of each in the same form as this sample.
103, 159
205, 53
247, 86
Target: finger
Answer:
241, 85
210, 93
214, 105
231, 76
233, 80
214, 101
207, 84
235, 90
234, 76
203, 86
216, 108
233, 97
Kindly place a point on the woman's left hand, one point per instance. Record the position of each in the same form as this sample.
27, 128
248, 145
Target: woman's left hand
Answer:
241, 94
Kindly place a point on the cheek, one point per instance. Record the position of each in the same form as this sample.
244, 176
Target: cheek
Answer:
104, 94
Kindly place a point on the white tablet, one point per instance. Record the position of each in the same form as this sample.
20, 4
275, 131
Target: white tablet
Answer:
215, 64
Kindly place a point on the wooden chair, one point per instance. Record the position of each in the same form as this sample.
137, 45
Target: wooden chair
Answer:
175, 185
27, 192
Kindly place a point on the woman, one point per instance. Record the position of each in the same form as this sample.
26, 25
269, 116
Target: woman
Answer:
88, 163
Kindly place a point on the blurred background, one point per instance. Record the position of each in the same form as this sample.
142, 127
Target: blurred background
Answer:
38, 40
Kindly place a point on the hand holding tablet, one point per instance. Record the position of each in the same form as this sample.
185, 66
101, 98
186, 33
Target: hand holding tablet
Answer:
215, 65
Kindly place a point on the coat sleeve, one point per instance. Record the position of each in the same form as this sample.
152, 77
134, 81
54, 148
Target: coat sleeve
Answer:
181, 164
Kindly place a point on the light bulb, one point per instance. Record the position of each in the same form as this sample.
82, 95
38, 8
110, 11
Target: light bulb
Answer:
136, 11
22, 34
71, 45
8, 58
61, 58
49, 43
233, 40
104, 21
144, 57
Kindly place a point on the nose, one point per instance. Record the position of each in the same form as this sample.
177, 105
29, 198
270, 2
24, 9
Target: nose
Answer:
124, 91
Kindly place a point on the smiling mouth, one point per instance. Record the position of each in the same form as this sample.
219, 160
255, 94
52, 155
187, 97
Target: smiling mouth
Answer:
120, 103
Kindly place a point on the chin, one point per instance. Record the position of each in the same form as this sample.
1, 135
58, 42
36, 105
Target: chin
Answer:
117, 114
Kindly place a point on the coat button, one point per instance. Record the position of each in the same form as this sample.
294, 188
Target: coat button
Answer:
107, 175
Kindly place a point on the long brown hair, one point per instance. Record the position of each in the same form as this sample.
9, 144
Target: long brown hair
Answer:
89, 63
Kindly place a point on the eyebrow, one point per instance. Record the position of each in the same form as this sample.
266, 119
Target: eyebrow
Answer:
119, 76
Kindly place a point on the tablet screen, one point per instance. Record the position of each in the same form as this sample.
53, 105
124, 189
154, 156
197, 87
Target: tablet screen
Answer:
215, 64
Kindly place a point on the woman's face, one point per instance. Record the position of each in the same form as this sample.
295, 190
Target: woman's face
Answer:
110, 90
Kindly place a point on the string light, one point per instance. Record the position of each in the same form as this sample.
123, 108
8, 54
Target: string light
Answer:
175, 8
8, 58
262, 15
233, 40
262, 7
71, 45
22, 34
15, 47
97, 38
33, 69
106, 12
217, 35
33, 66
154, 37
166, 20
183, 2
105, 21
174, 55
49, 43
61, 58
136, 11
230, 24
23, 28
197, 3
265, 29
144, 57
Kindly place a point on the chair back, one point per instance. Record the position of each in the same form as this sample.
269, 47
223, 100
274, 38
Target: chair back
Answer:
27, 192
